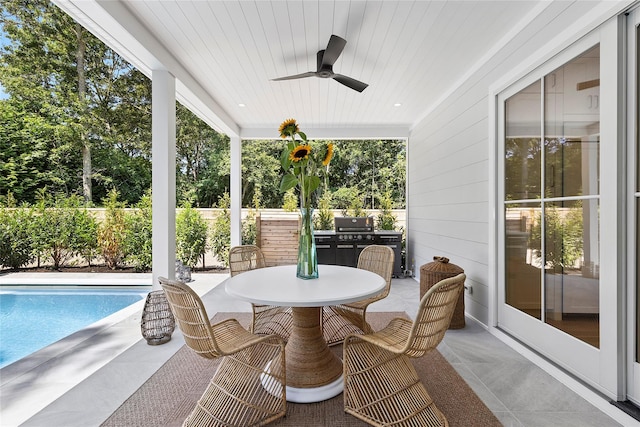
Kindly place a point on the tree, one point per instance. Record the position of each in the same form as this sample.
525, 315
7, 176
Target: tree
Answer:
261, 172
70, 95
199, 155
372, 167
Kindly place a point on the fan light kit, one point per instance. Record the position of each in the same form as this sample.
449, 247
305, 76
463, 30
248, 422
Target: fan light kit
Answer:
326, 58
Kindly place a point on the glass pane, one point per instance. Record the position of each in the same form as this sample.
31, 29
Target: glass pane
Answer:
572, 268
522, 252
637, 199
572, 127
638, 279
522, 144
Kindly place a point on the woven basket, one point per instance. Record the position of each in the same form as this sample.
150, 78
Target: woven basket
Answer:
435, 271
157, 322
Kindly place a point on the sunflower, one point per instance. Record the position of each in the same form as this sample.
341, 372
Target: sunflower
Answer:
328, 156
299, 153
303, 165
288, 128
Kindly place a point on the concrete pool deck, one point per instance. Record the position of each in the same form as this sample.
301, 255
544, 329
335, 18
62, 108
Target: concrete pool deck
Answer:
56, 278
33, 383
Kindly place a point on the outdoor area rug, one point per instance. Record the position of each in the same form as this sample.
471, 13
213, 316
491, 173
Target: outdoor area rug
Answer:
168, 397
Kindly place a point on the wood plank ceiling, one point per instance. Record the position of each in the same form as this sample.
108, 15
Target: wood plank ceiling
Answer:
410, 53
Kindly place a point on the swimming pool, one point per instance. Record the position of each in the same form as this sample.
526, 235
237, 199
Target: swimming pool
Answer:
33, 318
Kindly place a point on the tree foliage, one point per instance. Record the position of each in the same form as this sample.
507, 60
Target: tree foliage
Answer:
70, 97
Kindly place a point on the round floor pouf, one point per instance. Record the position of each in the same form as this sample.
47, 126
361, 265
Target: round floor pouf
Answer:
157, 322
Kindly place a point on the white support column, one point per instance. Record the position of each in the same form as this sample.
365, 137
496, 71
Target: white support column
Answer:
163, 152
236, 191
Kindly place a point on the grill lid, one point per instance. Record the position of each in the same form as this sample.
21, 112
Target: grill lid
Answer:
352, 224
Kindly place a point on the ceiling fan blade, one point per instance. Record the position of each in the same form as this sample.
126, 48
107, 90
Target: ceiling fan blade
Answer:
349, 82
296, 76
333, 50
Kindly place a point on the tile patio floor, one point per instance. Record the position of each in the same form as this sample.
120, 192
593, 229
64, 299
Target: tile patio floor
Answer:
81, 380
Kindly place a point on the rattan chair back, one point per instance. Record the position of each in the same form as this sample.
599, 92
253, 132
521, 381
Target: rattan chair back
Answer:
434, 315
338, 321
378, 259
191, 316
244, 258
266, 319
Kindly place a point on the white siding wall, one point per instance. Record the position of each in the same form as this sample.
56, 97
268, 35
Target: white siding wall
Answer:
448, 151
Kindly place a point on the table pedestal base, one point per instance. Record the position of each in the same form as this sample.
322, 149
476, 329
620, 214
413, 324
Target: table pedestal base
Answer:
315, 394
314, 372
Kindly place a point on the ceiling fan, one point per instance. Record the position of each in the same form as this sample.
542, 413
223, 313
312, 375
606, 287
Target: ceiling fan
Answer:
326, 58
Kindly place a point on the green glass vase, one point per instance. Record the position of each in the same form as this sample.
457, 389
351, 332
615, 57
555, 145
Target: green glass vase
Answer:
307, 256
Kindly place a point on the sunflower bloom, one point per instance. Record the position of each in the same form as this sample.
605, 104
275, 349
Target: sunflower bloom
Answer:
288, 128
299, 153
329, 155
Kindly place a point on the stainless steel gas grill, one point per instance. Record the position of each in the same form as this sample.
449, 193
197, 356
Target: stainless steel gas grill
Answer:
353, 234
393, 239
325, 246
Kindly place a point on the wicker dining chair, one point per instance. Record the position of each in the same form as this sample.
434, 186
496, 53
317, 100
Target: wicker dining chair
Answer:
381, 386
248, 388
266, 319
338, 321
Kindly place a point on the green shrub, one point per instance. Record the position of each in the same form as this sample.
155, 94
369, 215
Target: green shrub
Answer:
323, 220
85, 242
249, 227
139, 235
221, 231
349, 201
356, 207
112, 231
16, 240
290, 201
386, 219
63, 228
191, 236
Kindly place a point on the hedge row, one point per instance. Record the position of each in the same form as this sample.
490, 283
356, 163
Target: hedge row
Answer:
58, 230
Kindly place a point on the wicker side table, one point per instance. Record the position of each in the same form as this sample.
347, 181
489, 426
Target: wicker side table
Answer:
157, 322
432, 273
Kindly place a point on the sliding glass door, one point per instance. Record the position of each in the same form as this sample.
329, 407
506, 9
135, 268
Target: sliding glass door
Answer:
559, 210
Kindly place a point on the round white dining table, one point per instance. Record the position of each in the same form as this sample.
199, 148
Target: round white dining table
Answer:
314, 372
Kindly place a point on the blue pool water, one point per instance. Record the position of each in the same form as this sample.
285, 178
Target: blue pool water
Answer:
34, 318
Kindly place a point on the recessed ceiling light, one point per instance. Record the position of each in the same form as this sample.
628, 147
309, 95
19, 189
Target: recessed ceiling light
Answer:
397, 104
241, 105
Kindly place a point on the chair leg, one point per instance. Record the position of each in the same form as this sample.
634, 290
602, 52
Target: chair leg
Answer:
338, 322
248, 389
269, 320
383, 389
